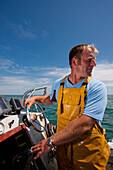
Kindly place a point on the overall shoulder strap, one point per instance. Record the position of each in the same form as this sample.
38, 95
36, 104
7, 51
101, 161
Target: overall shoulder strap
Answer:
85, 83
60, 107
84, 90
87, 80
62, 83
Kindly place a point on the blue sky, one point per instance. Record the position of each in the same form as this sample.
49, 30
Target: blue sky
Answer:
36, 36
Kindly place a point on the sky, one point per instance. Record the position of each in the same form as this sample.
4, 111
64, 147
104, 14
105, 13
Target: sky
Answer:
36, 36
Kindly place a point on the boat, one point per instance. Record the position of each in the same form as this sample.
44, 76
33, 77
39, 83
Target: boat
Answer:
21, 128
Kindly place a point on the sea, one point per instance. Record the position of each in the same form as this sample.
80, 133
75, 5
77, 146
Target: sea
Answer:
107, 122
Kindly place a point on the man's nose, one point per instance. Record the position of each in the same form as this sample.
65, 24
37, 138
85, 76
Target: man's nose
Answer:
93, 62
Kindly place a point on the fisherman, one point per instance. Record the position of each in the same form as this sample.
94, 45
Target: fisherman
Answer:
80, 138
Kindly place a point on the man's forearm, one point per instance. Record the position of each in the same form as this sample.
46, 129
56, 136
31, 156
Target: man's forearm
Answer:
44, 100
73, 130
41, 99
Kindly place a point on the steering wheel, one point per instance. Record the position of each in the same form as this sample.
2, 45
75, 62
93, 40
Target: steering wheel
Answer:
35, 115
51, 129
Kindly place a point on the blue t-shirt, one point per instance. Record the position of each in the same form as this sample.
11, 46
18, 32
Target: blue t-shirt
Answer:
96, 99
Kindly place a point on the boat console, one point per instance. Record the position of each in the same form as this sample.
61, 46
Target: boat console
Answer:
20, 129
16, 104
4, 106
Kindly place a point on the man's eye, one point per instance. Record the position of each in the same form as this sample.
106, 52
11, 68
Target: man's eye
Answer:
90, 59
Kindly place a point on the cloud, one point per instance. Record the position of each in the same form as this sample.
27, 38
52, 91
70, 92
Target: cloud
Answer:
44, 34
10, 66
104, 72
21, 31
5, 63
25, 30
20, 84
26, 22
53, 72
58, 72
24, 78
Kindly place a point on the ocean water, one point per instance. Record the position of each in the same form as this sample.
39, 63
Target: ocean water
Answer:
107, 122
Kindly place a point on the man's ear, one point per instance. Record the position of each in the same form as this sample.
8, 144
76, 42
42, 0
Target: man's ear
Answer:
74, 62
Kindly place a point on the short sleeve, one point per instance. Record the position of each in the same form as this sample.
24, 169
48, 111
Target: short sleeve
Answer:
55, 89
96, 100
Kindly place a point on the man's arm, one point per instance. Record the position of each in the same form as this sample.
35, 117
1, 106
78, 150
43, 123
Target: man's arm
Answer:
71, 132
41, 99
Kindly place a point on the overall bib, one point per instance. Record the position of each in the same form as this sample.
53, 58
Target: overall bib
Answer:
89, 151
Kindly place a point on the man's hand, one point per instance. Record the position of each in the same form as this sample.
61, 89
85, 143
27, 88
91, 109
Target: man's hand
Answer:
30, 101
41, 148
41, 99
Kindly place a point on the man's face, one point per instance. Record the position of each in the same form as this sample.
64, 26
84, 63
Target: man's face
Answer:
87, 62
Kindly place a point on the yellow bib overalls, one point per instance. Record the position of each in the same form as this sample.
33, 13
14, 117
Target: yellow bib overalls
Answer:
91, 150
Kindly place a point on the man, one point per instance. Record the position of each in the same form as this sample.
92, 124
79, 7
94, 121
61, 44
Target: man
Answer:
80, 139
